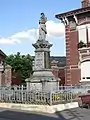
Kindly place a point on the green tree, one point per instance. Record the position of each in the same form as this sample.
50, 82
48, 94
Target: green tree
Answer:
22, 64
81, 44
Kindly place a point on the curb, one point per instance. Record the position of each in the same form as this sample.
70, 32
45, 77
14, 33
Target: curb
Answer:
40, 108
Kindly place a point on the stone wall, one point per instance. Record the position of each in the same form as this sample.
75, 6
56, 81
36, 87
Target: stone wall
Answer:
8, 75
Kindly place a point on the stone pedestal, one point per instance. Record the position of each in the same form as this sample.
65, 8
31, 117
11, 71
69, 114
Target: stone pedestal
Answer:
42, 78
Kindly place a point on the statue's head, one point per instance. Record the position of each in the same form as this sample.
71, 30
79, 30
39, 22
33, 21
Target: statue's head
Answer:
42, 14
42, 18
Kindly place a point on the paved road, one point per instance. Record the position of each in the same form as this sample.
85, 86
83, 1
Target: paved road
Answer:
72, 114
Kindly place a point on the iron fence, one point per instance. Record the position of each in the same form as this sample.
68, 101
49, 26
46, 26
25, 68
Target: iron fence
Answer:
76, 88
20, 94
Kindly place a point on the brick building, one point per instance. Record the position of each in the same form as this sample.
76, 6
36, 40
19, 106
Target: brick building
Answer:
77, 31
2, 59
58, 71
7, 75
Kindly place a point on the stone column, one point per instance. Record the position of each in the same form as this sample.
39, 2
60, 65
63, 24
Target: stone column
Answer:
1, 70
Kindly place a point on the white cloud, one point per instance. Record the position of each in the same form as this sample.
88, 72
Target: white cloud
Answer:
53, 30
9, 40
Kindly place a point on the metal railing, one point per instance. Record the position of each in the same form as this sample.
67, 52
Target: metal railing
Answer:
76, 88
20, 94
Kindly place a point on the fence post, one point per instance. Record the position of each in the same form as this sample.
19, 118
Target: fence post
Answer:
71, 93
50, 98
22, 93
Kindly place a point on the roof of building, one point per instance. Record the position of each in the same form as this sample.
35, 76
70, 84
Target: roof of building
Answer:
61, 60
8, 66
72, 12
54, 62
2, 53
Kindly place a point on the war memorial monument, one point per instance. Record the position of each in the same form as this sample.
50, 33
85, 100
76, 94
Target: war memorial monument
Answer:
42, 78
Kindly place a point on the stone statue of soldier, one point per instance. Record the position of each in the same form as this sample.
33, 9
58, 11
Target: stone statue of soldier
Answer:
42, 27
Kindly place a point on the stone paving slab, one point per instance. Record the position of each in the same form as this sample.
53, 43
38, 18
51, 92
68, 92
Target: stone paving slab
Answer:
40, 108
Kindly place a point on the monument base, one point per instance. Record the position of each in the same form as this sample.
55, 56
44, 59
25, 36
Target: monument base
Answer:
43, 80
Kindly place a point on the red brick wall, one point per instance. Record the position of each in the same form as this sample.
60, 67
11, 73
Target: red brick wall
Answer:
67, 36
72, 57
59, 73
75, 76
15, 79
85, 3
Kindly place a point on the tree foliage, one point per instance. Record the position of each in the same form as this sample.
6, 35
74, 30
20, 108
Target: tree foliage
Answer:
81, 44
21, 64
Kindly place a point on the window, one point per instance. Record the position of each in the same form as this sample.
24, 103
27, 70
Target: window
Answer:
89, 33
82, 35
85, 71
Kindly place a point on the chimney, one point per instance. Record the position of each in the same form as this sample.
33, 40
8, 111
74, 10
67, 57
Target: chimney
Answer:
85, 3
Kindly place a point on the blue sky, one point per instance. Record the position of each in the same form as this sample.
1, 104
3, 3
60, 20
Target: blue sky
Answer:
19, 23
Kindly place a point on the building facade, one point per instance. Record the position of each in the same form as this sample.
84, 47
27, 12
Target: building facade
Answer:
58, 71
7, 76
77, 34
2, 68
